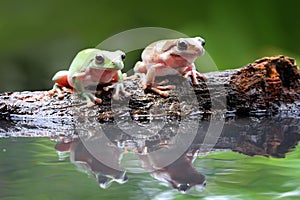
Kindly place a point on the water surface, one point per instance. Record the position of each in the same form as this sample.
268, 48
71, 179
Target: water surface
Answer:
30, 169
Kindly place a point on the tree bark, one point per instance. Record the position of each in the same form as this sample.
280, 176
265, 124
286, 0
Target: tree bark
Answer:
267, 87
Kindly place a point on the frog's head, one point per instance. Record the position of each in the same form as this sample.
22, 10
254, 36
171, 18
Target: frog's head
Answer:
108, 60
185, 182
189, 48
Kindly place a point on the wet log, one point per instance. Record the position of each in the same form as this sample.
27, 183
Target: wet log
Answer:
268, 87
270, 84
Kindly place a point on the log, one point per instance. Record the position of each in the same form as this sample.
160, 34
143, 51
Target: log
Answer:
267, 89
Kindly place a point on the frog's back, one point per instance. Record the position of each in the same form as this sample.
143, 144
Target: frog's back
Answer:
157, 48
82, 59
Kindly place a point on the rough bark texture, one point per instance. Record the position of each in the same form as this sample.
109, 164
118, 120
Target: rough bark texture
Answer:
265, 84
267, 87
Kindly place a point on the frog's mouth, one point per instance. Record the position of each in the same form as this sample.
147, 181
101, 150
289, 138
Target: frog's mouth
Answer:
186, 58
103, 72
105, 69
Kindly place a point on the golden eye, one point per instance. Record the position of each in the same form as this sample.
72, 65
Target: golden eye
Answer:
99, 59
182, 45
123, 56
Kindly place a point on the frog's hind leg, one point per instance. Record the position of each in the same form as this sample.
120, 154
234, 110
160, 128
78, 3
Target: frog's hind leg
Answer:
59, 90
160, 92
61, 83
161, 85
161, 89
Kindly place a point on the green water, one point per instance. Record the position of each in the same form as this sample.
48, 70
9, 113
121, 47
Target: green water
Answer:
30, 169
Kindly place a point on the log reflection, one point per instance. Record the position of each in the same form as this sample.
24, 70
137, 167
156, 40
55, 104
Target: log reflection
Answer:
100, 152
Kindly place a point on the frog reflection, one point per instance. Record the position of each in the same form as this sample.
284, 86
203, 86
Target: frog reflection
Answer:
86, 162
181, 174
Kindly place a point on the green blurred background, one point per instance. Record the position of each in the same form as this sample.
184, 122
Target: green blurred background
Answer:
39, 38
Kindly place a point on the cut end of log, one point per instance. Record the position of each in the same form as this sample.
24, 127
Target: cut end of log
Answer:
266, 82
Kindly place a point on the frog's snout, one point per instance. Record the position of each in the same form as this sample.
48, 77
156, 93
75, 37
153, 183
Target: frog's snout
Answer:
117, 63
203, 42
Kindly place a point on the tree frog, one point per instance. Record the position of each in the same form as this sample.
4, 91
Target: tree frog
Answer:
93, 67
169, 57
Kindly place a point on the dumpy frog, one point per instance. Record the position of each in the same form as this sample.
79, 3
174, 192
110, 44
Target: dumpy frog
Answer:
168, 57
93, 67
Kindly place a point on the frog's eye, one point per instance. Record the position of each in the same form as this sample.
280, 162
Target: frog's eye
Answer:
123, 56
182, 45
99, 59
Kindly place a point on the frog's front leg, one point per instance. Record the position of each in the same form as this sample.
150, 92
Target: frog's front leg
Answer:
118, 86
146, 74
151, 73
191, 71
140, 70
89, 97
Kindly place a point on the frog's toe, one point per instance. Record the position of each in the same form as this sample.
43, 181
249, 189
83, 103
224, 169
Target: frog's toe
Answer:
144, 86
60, 96
51, 92
91, 100
160, 92
126, 94
116, 97
106, 88
90, 104
162, 82
166, 87
97, 100
195, 75
195, 80
201, 76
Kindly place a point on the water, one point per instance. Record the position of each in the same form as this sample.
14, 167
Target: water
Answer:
37, 162
30, 169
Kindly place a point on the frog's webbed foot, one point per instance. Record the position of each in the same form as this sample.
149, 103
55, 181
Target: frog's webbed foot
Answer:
91, 99
119, 87
104, 181
61, 91
160, 88
160, 91
194, 74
